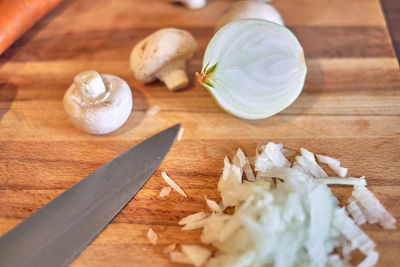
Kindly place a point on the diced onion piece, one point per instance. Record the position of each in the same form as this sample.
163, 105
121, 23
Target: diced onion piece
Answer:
356, 213
153, 110
180, 134
213, 205
179, 257
327, 160
342, 172
312, 166
239, 159
369, 215
320, 216
169, 248
229, 183
374, 206
307, 154
248, 171
194, 225
263, 163
193, 218
243, 162
341, 181
333, 164
352, 232
370, 260
226, 170
274, 153
152, 237
271, 157
171, 183
196, 254
165, 191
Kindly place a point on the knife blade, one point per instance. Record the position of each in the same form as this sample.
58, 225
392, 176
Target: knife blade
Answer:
59, 231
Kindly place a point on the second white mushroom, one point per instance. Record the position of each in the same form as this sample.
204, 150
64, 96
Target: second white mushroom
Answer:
98, 104
163, 56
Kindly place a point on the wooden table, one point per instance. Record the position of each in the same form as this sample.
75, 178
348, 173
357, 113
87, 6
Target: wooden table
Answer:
349, 109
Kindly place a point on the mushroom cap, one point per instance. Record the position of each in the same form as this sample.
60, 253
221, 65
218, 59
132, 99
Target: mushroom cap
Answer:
105, 115
162, 48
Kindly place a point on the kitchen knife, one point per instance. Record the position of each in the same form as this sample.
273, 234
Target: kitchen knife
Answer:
58, 232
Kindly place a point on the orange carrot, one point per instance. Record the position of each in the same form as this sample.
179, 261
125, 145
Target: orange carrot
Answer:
17, 16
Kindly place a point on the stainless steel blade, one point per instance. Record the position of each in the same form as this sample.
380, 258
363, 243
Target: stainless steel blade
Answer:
58, 232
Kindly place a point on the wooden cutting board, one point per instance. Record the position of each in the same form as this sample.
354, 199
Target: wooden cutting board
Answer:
349, 109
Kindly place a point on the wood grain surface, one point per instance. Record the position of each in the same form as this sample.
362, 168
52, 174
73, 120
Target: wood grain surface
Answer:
349, 109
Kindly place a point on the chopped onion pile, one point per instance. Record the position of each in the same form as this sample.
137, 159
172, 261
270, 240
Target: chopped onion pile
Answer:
287, 216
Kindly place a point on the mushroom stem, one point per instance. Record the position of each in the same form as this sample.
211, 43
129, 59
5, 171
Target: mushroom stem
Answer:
176, 79
163, 55
90, 86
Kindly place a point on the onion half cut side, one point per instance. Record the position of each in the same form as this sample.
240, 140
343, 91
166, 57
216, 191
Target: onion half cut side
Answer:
253, 68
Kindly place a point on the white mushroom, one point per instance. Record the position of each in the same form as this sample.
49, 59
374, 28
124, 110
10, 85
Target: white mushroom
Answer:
98, 104
249, 10
193, 4
163, 55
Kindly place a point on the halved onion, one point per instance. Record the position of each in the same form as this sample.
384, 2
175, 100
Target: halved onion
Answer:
253, 68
